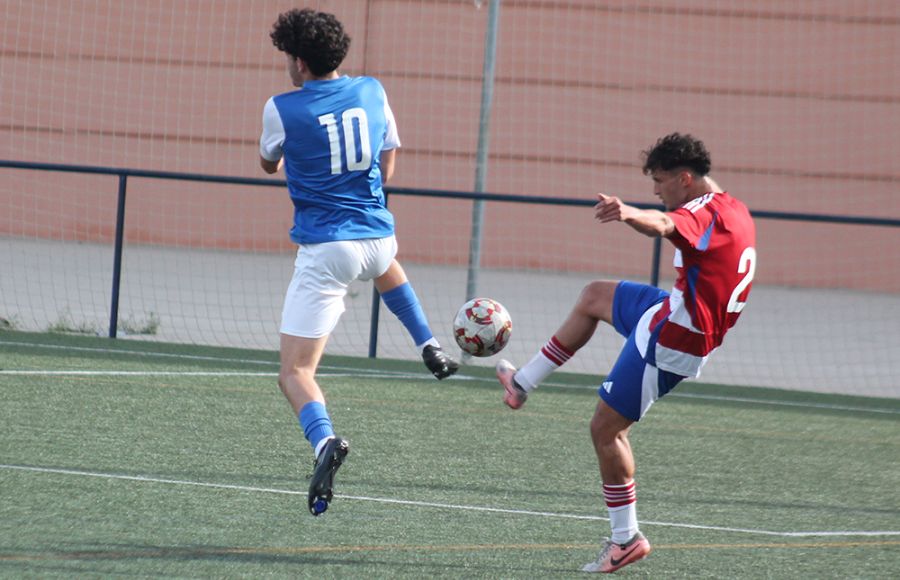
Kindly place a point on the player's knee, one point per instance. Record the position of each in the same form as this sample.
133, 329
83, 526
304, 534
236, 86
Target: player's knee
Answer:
392, 278
283, 382
600, 432
596, 299
294, 377
608, 426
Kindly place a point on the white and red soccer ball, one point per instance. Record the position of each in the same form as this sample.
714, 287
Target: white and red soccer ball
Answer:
482, 327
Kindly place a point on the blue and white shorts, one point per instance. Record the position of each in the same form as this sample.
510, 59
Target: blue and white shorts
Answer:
634, 383
314, 300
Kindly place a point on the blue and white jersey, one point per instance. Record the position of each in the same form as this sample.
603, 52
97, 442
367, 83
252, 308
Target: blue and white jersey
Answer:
331, 134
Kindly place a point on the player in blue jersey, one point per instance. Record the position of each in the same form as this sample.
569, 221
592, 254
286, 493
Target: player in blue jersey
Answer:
336, 139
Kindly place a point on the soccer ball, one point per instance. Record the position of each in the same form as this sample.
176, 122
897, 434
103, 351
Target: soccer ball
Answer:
482, 327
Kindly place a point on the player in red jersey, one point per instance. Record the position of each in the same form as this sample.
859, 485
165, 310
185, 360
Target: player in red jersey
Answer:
670, 335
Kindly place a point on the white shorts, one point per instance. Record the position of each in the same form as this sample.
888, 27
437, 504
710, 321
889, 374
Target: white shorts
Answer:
322, 272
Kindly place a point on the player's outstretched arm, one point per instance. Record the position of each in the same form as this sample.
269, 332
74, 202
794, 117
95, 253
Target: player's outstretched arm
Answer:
649, 222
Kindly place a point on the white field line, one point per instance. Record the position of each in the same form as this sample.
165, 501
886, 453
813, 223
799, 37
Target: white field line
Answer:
140, 373
184, 374
137, 352
271, 375
272, 363
340, 371
446, 506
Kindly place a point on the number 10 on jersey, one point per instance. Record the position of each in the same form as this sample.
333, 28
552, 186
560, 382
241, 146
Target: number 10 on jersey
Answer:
358, 154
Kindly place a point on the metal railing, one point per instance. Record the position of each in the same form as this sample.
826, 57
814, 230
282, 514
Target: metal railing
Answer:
124, 173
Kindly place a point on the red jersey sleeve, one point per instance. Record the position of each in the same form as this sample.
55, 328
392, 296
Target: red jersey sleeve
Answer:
693, 224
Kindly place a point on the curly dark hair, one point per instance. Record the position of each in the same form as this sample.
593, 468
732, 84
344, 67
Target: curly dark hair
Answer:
675, 151
316, 38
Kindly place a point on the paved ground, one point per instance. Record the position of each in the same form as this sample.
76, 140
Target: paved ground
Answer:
810, 340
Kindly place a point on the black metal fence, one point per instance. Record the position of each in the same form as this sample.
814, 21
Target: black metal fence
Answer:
124, 173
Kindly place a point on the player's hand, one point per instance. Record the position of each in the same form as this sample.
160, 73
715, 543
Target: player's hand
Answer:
609, 208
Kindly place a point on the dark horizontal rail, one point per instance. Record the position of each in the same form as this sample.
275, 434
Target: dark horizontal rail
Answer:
543, 200
441, 193
141, 173
124, 173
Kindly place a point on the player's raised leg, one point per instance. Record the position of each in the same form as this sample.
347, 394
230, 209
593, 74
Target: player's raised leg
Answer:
594, 305
400, 298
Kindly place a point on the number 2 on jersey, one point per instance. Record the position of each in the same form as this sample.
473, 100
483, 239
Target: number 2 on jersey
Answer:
358, 155
747, 266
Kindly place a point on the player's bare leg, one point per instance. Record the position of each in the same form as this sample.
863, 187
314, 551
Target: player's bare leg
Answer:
297, 378
609, 433
392, 277
299, 360
594, 305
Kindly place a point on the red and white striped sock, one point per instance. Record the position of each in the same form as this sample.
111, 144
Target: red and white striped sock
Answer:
621, 501
551, 356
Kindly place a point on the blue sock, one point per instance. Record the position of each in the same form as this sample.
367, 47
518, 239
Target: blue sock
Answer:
315, 422
402, 301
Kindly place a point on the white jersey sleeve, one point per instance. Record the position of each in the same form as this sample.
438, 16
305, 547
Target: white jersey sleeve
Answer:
391, 138
272, 138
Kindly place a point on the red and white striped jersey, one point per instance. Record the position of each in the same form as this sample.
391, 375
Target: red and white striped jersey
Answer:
715, 258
